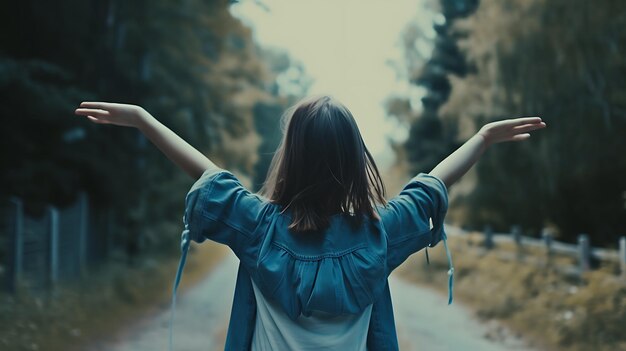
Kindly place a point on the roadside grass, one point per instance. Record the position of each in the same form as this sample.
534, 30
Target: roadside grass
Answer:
531, 294
103, 304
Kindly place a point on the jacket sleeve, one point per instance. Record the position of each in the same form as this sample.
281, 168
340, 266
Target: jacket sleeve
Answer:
407, 218
219, 208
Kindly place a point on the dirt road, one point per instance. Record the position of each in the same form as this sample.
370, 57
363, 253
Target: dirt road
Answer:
423, 318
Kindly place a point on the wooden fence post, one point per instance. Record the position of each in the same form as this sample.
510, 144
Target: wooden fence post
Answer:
82, 232
622, 255
53, 239
488, 237
16, 238
516, 232
583, 252
548, 240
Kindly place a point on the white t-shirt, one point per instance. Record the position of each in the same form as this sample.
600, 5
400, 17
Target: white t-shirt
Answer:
274, 330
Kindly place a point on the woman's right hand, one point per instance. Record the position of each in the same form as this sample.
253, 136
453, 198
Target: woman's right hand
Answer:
174, 147
113, 113
515, 129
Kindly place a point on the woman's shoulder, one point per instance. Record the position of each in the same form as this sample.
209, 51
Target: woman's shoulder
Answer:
219, 207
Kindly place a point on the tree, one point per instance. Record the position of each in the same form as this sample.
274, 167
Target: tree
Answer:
431, 139
559, 60
190, 63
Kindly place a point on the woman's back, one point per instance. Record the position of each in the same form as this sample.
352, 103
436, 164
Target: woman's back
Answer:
321, 288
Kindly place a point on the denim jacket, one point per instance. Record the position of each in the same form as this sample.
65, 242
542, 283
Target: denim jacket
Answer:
341, 270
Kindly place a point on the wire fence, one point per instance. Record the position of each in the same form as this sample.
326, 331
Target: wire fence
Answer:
583, 254
57, 246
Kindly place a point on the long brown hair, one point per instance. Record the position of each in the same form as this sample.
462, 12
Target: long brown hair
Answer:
322, 167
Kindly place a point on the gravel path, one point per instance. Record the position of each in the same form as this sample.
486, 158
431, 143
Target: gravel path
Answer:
425, 321
201, 317
423, 318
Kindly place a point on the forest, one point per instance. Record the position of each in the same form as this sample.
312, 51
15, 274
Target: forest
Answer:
561, 60
197, 68
190, 63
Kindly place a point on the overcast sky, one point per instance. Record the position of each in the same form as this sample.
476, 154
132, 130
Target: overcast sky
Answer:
344, 46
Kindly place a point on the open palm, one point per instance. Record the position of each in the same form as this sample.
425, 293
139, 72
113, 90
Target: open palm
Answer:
111, 113
515, 129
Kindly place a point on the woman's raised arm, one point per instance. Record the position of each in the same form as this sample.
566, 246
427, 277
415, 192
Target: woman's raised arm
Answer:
460, 161
185, 156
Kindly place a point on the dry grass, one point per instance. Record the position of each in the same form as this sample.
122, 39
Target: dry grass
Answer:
556, 310
100, 305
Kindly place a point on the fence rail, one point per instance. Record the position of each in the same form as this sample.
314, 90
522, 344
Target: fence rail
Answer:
583, 252
57, 246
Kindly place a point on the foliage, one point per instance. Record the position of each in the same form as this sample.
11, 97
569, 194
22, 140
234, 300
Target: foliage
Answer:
189, 63
553, 309
97, 311
430, 138
561, 60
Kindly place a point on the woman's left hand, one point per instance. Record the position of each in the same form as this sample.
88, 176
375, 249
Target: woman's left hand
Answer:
112, 113
513, 129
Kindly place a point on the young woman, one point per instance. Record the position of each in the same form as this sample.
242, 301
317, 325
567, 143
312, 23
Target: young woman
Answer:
317, 244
